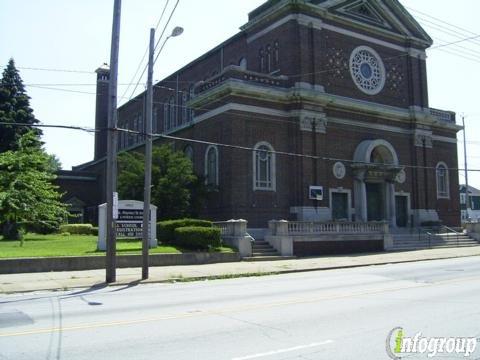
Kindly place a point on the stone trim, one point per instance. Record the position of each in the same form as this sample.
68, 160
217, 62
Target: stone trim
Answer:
318, 24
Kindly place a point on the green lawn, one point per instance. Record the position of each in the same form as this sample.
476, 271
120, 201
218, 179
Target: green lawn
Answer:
75, 245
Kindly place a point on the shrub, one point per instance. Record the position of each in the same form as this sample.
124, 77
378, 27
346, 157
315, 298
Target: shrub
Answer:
197, 237
166, 229
77, 229
94, 231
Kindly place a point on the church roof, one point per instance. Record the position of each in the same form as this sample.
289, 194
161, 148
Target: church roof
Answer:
388, 16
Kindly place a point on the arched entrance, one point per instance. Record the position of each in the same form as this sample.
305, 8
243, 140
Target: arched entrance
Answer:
375, 168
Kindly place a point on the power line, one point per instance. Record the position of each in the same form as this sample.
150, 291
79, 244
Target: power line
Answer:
158, 41
86, 129
246, 148
442, 21
146, 51
56, 70
239, 147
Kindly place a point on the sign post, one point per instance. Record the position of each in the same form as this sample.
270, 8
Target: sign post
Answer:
129, 224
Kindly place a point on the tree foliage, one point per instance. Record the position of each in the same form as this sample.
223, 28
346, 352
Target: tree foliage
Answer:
14, 108
27, 194
173, 181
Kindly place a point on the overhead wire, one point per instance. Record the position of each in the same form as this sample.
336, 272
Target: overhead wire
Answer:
146, 50
156, 45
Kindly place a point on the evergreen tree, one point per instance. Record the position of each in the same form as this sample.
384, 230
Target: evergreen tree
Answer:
27, 195
14, 108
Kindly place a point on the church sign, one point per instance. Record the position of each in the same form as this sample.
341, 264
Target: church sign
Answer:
129, 222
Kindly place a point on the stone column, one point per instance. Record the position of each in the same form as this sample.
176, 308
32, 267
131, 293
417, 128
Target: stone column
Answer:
360, 200
391, 209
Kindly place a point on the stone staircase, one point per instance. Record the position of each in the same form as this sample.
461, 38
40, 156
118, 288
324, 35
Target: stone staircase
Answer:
422, 240
262, 250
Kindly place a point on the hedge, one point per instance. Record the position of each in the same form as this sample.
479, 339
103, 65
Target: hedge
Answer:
166, 229
197, 237
77, 229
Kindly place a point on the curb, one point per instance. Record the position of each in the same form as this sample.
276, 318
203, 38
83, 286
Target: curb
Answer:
239, 275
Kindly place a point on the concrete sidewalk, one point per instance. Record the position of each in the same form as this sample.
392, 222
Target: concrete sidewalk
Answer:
12, 283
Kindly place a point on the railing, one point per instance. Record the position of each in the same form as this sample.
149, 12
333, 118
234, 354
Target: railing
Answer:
224, 226
441, 115
303, 227
439, 234
235, 72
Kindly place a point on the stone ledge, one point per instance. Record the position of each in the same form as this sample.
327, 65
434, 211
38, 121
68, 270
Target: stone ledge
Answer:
73, 263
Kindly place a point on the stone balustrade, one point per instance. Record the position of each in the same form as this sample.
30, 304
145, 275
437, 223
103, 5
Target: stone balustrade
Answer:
283, 227
234, 233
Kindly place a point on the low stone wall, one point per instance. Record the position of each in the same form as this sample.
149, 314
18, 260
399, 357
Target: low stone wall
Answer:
473, 230
73, 263
317, 238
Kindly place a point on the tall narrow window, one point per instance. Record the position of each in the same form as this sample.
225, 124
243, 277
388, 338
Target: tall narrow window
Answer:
276, 56
211, 165
262, 60
184, 106
188, 151
243, 63
264, 167
443, 191
172, 112
166, 113
269, 59
191, 96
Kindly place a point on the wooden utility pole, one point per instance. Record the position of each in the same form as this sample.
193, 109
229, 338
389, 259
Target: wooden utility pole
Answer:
111, 165
148, 160
467, 200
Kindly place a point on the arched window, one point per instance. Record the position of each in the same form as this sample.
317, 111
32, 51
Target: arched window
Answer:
211, 165
262, 60
172, 112
264, 167
188, 151
243, 63
443, 189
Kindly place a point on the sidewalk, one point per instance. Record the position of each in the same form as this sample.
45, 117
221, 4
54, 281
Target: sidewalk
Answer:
12, 283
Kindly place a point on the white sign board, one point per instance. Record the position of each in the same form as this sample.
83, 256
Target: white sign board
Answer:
129, 223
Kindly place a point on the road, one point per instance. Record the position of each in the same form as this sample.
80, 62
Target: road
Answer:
337, 314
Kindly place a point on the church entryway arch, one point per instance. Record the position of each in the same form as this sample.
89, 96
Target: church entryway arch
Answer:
375, 167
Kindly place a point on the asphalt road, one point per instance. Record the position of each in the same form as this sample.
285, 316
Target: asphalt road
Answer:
340, 314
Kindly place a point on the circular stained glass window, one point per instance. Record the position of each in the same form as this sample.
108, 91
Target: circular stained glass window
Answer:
367, 70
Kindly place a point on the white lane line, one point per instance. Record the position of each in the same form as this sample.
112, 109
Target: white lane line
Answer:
280, 351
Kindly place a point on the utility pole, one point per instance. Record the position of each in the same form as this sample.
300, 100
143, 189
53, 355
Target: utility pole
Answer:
111, 165
148, 160
467, 200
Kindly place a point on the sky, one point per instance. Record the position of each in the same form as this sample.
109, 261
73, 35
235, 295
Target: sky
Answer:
75, 35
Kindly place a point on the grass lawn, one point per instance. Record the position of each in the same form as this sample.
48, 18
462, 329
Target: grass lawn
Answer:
36, 245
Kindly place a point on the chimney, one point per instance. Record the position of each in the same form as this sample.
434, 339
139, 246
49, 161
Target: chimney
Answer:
101, 111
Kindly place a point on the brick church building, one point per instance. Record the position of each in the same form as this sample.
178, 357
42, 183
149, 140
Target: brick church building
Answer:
326, 105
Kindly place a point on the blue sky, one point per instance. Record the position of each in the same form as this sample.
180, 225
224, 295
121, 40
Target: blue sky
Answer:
75, 35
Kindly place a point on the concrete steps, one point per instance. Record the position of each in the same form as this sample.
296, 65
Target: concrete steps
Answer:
263, 251
423, 241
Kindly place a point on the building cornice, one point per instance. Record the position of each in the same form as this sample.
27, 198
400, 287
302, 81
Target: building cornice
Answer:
241, 88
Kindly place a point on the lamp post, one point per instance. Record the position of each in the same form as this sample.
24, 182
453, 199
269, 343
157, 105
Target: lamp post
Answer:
148, 149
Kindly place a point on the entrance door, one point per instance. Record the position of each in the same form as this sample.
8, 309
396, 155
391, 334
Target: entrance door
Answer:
339, 206
375, 203
401, 210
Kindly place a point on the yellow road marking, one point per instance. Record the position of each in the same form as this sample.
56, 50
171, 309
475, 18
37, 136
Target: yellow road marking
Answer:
229, 310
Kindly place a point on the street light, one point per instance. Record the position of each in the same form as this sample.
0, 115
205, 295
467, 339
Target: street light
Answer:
148, 149
177, 30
